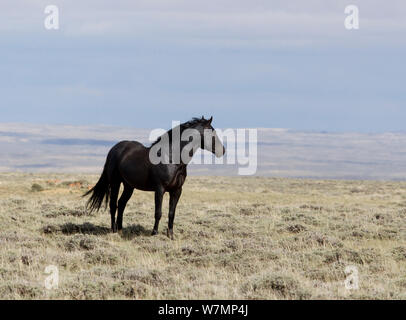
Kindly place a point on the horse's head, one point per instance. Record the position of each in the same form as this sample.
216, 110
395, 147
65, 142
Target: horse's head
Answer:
209, 139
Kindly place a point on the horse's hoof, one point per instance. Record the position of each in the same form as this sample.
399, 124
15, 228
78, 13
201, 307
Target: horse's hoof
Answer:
114, 228
120, 232
169, 234
154, 232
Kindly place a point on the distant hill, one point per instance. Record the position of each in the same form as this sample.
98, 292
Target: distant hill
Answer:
281, 152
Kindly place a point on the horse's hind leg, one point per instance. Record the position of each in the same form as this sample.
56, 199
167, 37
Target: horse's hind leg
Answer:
127, 193
115, 188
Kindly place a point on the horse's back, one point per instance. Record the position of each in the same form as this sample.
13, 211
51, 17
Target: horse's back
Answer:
132, 163
125, 146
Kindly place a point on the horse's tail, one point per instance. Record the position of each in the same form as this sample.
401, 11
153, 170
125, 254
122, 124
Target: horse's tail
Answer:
99, 192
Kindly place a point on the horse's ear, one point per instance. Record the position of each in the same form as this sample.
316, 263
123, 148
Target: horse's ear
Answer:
202, 118
210, 120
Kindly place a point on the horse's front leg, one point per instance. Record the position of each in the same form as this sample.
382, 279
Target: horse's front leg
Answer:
173, 201
159, 194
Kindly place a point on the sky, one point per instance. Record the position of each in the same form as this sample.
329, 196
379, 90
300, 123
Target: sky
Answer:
279, 64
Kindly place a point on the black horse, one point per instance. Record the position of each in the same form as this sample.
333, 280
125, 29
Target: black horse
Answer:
129, 163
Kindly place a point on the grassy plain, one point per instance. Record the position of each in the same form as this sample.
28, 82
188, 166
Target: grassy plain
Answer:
235, 238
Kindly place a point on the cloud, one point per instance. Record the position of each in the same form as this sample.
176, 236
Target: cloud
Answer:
257, 63
78, 90
236, 22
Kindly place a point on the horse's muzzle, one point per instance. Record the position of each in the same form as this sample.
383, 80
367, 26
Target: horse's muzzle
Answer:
220, 152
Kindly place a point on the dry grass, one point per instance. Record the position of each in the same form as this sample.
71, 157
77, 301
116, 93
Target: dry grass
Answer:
236, 238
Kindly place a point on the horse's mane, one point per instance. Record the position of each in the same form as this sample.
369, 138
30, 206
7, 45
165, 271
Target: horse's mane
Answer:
186, 125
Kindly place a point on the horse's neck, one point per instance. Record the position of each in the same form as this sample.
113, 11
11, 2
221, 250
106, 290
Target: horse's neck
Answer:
175, 152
